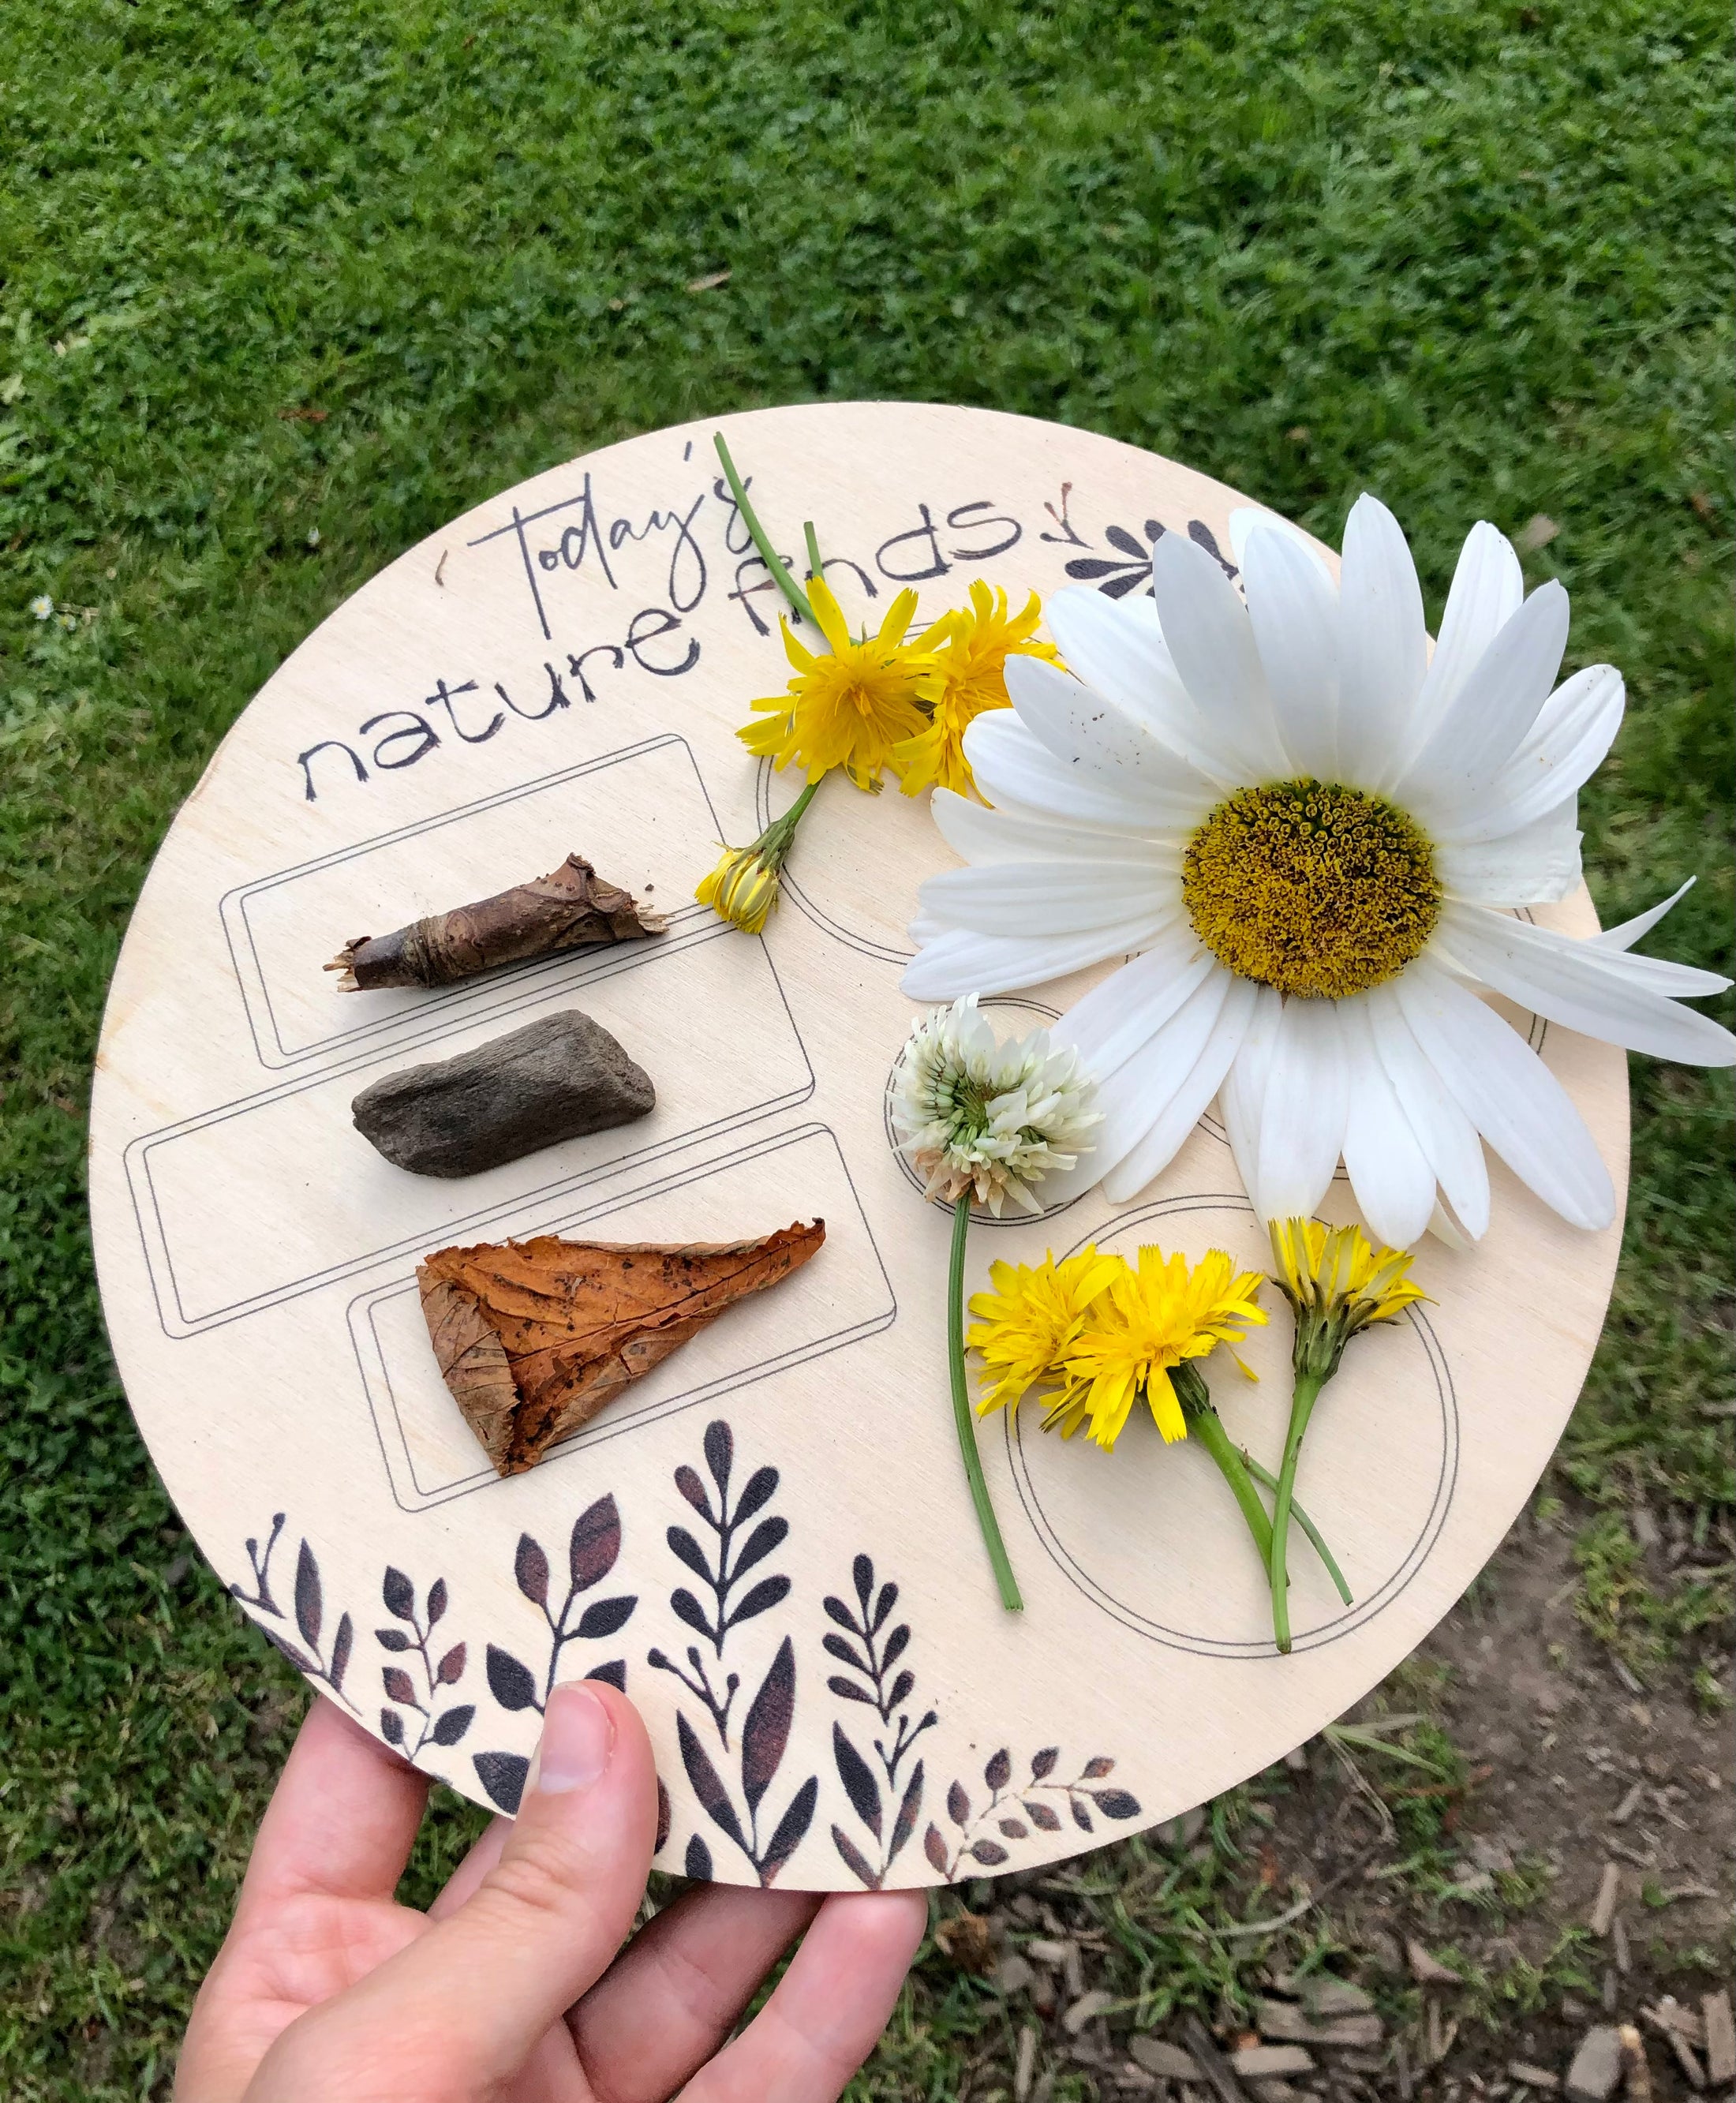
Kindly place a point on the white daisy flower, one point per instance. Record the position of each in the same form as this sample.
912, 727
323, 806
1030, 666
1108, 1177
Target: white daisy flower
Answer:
988, 1118
1305, 827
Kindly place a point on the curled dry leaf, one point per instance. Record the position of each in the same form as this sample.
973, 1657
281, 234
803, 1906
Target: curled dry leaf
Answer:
534, 1337
569, 908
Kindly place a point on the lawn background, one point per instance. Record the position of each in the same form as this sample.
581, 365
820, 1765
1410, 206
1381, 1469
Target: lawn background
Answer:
1475, 258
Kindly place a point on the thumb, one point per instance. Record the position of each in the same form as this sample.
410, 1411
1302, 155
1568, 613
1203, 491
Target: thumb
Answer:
478, 1990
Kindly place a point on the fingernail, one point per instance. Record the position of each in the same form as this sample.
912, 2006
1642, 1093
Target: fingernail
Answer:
577, 1737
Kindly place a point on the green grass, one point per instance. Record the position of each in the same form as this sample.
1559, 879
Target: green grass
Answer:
1475, 257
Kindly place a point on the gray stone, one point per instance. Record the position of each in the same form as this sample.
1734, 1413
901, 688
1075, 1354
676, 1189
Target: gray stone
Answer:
1324, 1995
1168, 2062
558, 1078
1596, 2067
1299, 2025
1262, 2062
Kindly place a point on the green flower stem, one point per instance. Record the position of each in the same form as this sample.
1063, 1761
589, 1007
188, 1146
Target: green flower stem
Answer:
963, 1417
774, 562
773, 844
816, 568
1268, 1481
1307, 1391
1207, 1426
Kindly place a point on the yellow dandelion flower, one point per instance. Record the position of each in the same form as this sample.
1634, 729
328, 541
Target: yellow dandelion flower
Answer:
1150, 1319
849, 705
976, 642
1338, 1282
1027, 1324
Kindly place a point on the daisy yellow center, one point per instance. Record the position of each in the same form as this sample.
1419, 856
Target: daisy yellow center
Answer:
1320, 890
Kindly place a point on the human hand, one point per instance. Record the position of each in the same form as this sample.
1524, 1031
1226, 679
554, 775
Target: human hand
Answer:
514, 1987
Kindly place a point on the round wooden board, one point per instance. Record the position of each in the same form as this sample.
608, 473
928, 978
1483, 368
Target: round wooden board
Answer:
562, 669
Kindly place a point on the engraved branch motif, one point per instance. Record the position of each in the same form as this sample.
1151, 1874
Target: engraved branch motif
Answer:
438, 1726
307, 1657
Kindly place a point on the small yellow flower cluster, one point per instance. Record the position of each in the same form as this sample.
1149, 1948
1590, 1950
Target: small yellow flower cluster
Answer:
1338, 1283
1106, 1332
893, 701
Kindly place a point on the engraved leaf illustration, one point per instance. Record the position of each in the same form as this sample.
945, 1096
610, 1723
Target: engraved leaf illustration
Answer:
935, 1848
340, 1649
1097, 1768
449, 1727
399, 1594
1043, 1763
999, 1771
309, 1606
1043, 1817
853, 1858
766, 1732
989, 1852
904, 1824
707, 1784
1014, 1829
686, 1549
847, 1690
858, 1778
603, 1617
883, 1606
502, 1775
791, 1829
694, 1491
399, 1685
394, 1639
902, 1687
698, 1863
720, 1451
614, 1673
758, 1599
845, 1654
665, 1816
1115, 1802
958, 1805
760, 1486
1081, 1816
764, 1538
437, 1600
450, 1669
837, 1611
392, 1727
510, 1682
595, 1544
531, 1571
687, 1608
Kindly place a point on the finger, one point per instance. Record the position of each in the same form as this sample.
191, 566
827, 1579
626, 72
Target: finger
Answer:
673, 1997
829, 2009
485, 1851
469, 2001
342, 1819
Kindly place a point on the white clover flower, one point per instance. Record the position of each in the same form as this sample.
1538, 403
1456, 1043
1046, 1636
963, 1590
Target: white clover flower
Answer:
1307, 830
43, 607
986, 1119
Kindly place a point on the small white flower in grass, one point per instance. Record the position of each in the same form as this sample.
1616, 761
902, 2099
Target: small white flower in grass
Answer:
1307, 834
986, 1119
43, 607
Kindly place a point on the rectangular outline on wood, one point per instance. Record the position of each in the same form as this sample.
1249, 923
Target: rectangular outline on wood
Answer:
154, 1236
394, 1449
687, 924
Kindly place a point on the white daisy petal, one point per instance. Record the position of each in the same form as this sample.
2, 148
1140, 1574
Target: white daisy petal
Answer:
1088, 732
1134, 1097
1015, 771
1383, 644
1116, 646
1495, 707
1301, 1117
1625, 933
1114, 1020
1243, 1090
1446, 1135
1041, 898
1574, 728
1206, 628
1186, 1107
1534, 866
961, 961
1247, 519
983, 835
1388, 1170
1607, 993
1509, 1095
1293, 608
1488, 589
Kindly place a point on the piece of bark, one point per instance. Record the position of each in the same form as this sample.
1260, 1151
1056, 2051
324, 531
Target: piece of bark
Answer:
569, 908
557, 1078
532, 1338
